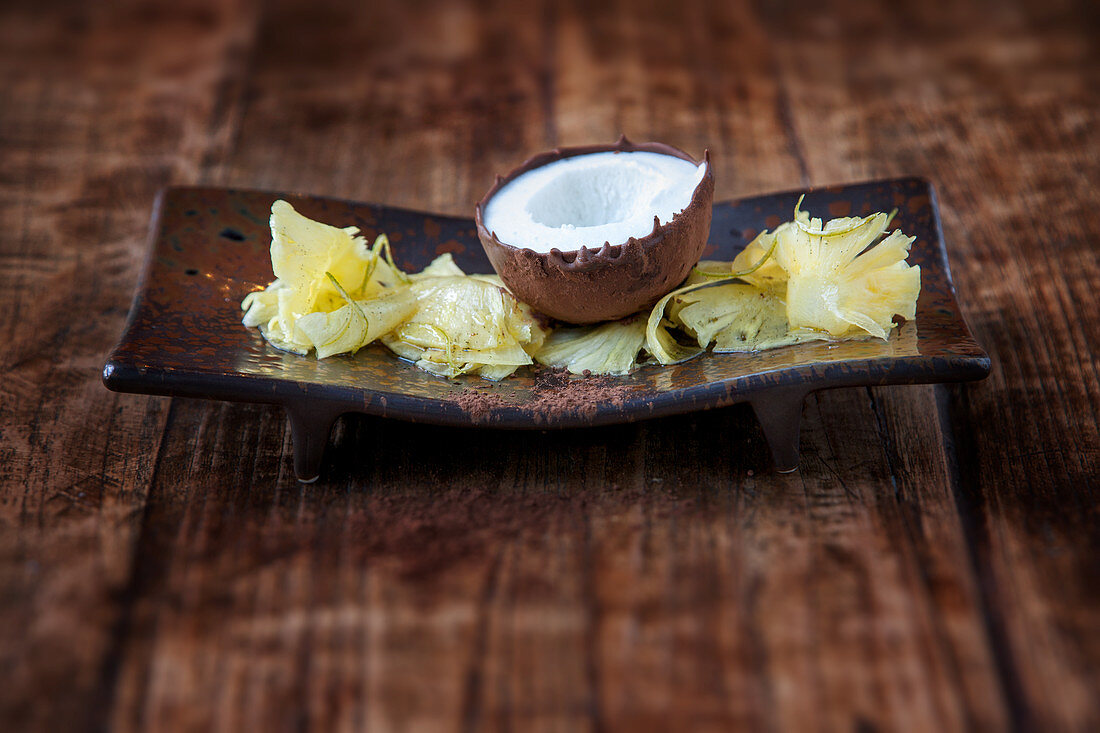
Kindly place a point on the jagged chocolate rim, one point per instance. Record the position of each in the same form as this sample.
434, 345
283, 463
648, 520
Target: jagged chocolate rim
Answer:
585, 257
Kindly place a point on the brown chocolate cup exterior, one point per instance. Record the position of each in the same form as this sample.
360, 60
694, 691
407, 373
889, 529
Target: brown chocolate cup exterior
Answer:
614, 280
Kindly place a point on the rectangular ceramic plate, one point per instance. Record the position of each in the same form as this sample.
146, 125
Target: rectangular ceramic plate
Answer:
210, 247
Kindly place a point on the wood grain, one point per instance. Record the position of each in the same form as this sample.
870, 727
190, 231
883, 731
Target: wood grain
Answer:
102, 107
933, 564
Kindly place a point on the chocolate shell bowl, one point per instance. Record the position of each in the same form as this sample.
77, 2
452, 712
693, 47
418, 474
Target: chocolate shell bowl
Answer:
600, 238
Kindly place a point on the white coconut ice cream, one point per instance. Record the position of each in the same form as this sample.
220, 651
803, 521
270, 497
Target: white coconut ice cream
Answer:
589, 200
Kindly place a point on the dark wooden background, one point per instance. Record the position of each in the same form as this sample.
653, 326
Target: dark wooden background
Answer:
935, 564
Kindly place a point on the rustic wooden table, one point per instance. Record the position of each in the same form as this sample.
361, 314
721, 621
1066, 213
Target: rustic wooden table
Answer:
934, 565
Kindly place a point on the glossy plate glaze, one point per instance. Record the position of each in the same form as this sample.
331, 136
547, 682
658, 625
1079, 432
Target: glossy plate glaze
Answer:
209, 247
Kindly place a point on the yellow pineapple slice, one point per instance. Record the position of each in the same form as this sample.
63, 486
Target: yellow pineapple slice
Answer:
607, 348
837, 283
302, 251
769, 275
356, 324
308, 259
465, 325
738, 317
659, 342
442, 266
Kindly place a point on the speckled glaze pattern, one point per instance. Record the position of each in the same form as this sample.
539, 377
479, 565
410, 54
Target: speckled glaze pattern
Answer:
209, 247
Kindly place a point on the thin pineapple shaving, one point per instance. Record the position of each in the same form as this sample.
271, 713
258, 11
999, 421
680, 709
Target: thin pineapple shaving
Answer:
465, 325
808, 280
334, 295
609, 348
839, 284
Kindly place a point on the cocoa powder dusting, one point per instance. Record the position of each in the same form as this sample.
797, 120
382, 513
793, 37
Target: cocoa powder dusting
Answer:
478, 404
556, 393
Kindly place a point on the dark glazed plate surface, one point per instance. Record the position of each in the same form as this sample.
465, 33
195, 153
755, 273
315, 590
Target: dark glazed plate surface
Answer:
210, 247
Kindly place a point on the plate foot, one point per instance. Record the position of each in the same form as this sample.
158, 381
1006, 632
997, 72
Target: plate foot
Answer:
309, 431
779, 412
